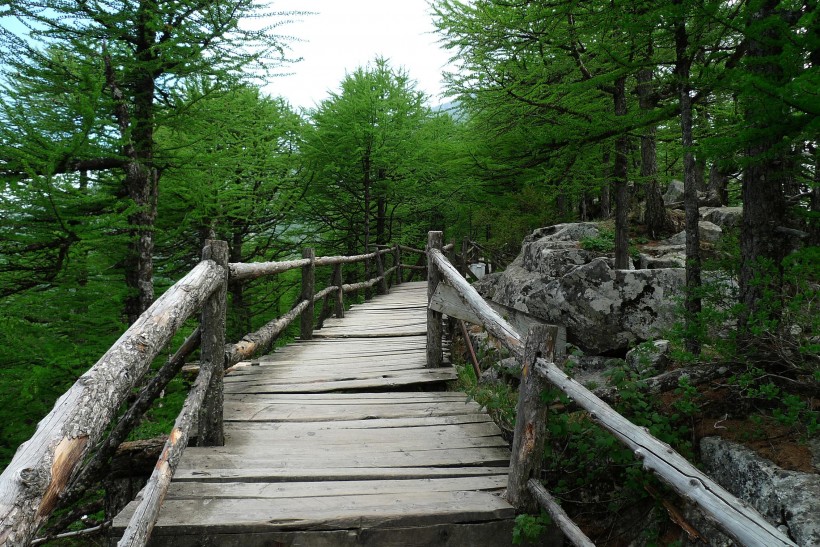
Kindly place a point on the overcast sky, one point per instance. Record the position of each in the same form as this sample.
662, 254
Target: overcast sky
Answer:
346, 34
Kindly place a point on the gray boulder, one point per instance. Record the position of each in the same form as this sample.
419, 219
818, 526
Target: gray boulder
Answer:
604, 309
787, 499
709, 232
674, 193
649, 356
725, 217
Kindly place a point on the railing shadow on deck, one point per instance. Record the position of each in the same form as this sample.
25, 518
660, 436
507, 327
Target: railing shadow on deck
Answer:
449, 293
70, 444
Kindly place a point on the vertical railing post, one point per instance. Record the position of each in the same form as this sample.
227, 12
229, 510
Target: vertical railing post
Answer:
210, 429
308, 290
397, 264
380, 272
530, 421
340, 294
435, 357
465, 256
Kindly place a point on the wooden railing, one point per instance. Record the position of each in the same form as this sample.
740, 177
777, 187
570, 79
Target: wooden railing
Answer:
449, 293
69, 445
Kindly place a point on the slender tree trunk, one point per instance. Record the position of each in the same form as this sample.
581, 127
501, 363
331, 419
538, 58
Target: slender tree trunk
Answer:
692, 302
141, 179
381, 221
366, 165
606, 205
762, 249
655, 217
619, 176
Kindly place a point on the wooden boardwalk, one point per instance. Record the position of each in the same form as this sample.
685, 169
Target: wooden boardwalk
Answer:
345, 440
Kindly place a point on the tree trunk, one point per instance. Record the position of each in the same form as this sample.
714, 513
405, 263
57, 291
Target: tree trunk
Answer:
240, 315
619, 174
366, 165
655, 217
762, 249
718, 177
692, 301
606, 206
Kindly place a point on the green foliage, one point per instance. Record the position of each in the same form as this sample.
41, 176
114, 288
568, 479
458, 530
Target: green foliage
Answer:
499, 399
529, 527
604, 242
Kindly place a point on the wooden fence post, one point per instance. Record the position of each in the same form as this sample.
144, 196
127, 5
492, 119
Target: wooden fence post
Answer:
210, 429
435, 357
340, 294
530, 421
397, 264
465, 256
380, 272
308, 289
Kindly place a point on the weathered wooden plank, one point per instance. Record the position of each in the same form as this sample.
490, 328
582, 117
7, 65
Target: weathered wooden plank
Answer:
479, 534
296, 446
359, 398
270, 412
376, 423
369, 511
218, 458
382, 382
331, 489
276, 474
267, 432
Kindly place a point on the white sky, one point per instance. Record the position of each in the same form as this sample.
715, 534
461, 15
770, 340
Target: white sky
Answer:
343, 35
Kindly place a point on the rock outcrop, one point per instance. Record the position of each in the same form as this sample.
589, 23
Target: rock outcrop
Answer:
788, 499
605, 310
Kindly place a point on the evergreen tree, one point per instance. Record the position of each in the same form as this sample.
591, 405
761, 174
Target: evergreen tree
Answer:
125, 60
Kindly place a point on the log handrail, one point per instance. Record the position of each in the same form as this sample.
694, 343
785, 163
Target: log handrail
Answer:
733, 516
40, 474
40, 471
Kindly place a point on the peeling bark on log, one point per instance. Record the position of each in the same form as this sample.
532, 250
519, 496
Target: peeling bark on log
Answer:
350, 287
242, 270
531, 419
210, 430
559, 516
42, 466
733, 516
145, 516
255, 341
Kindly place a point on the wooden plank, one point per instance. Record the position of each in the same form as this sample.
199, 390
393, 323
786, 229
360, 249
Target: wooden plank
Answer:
235, 411
490, 534
390, 381
269, 433
331, 489
330, 473
375, 423
368, 511
355, 398
220, 458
